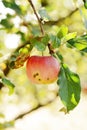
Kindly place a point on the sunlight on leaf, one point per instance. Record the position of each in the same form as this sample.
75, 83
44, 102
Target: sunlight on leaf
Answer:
74, 78
62, 31
79, 42
69, 87
73, 99
70, 36
55, 41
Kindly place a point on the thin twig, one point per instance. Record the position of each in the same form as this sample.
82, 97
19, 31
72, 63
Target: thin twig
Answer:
39, 21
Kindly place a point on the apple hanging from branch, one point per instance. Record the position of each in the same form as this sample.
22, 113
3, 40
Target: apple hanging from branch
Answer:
42, 69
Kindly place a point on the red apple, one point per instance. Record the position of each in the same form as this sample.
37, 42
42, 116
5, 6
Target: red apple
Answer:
42, 69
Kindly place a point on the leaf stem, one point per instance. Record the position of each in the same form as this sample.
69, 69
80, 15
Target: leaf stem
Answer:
39, 21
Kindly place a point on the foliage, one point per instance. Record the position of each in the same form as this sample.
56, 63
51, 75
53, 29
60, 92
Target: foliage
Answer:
85, 3
9, 84
36, 35
70, 88
79, 42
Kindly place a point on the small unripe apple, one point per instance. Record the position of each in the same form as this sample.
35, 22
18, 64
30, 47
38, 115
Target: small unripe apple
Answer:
42, 69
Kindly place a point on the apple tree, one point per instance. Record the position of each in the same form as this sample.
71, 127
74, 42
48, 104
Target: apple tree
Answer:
44, 39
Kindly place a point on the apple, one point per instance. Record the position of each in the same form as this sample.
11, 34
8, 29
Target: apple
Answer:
42, 69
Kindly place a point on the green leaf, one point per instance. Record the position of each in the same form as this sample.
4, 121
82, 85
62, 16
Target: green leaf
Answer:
44, 15
85, 3
84, 50
12, 4
22, 35
7, 22
59, 56
79, 42
40, 46
45, 39
35, 31
69, 88
9, 84
70, 36
39, 43
62, 31
55, 41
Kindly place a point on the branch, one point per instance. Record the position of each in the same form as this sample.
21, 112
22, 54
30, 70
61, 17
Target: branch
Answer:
7, 69
39, 21
61, 19
33, 109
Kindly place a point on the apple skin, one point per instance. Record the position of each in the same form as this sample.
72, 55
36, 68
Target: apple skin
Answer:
42, 69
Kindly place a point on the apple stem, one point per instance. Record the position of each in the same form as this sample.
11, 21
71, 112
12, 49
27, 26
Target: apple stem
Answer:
39, 20
42, 53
